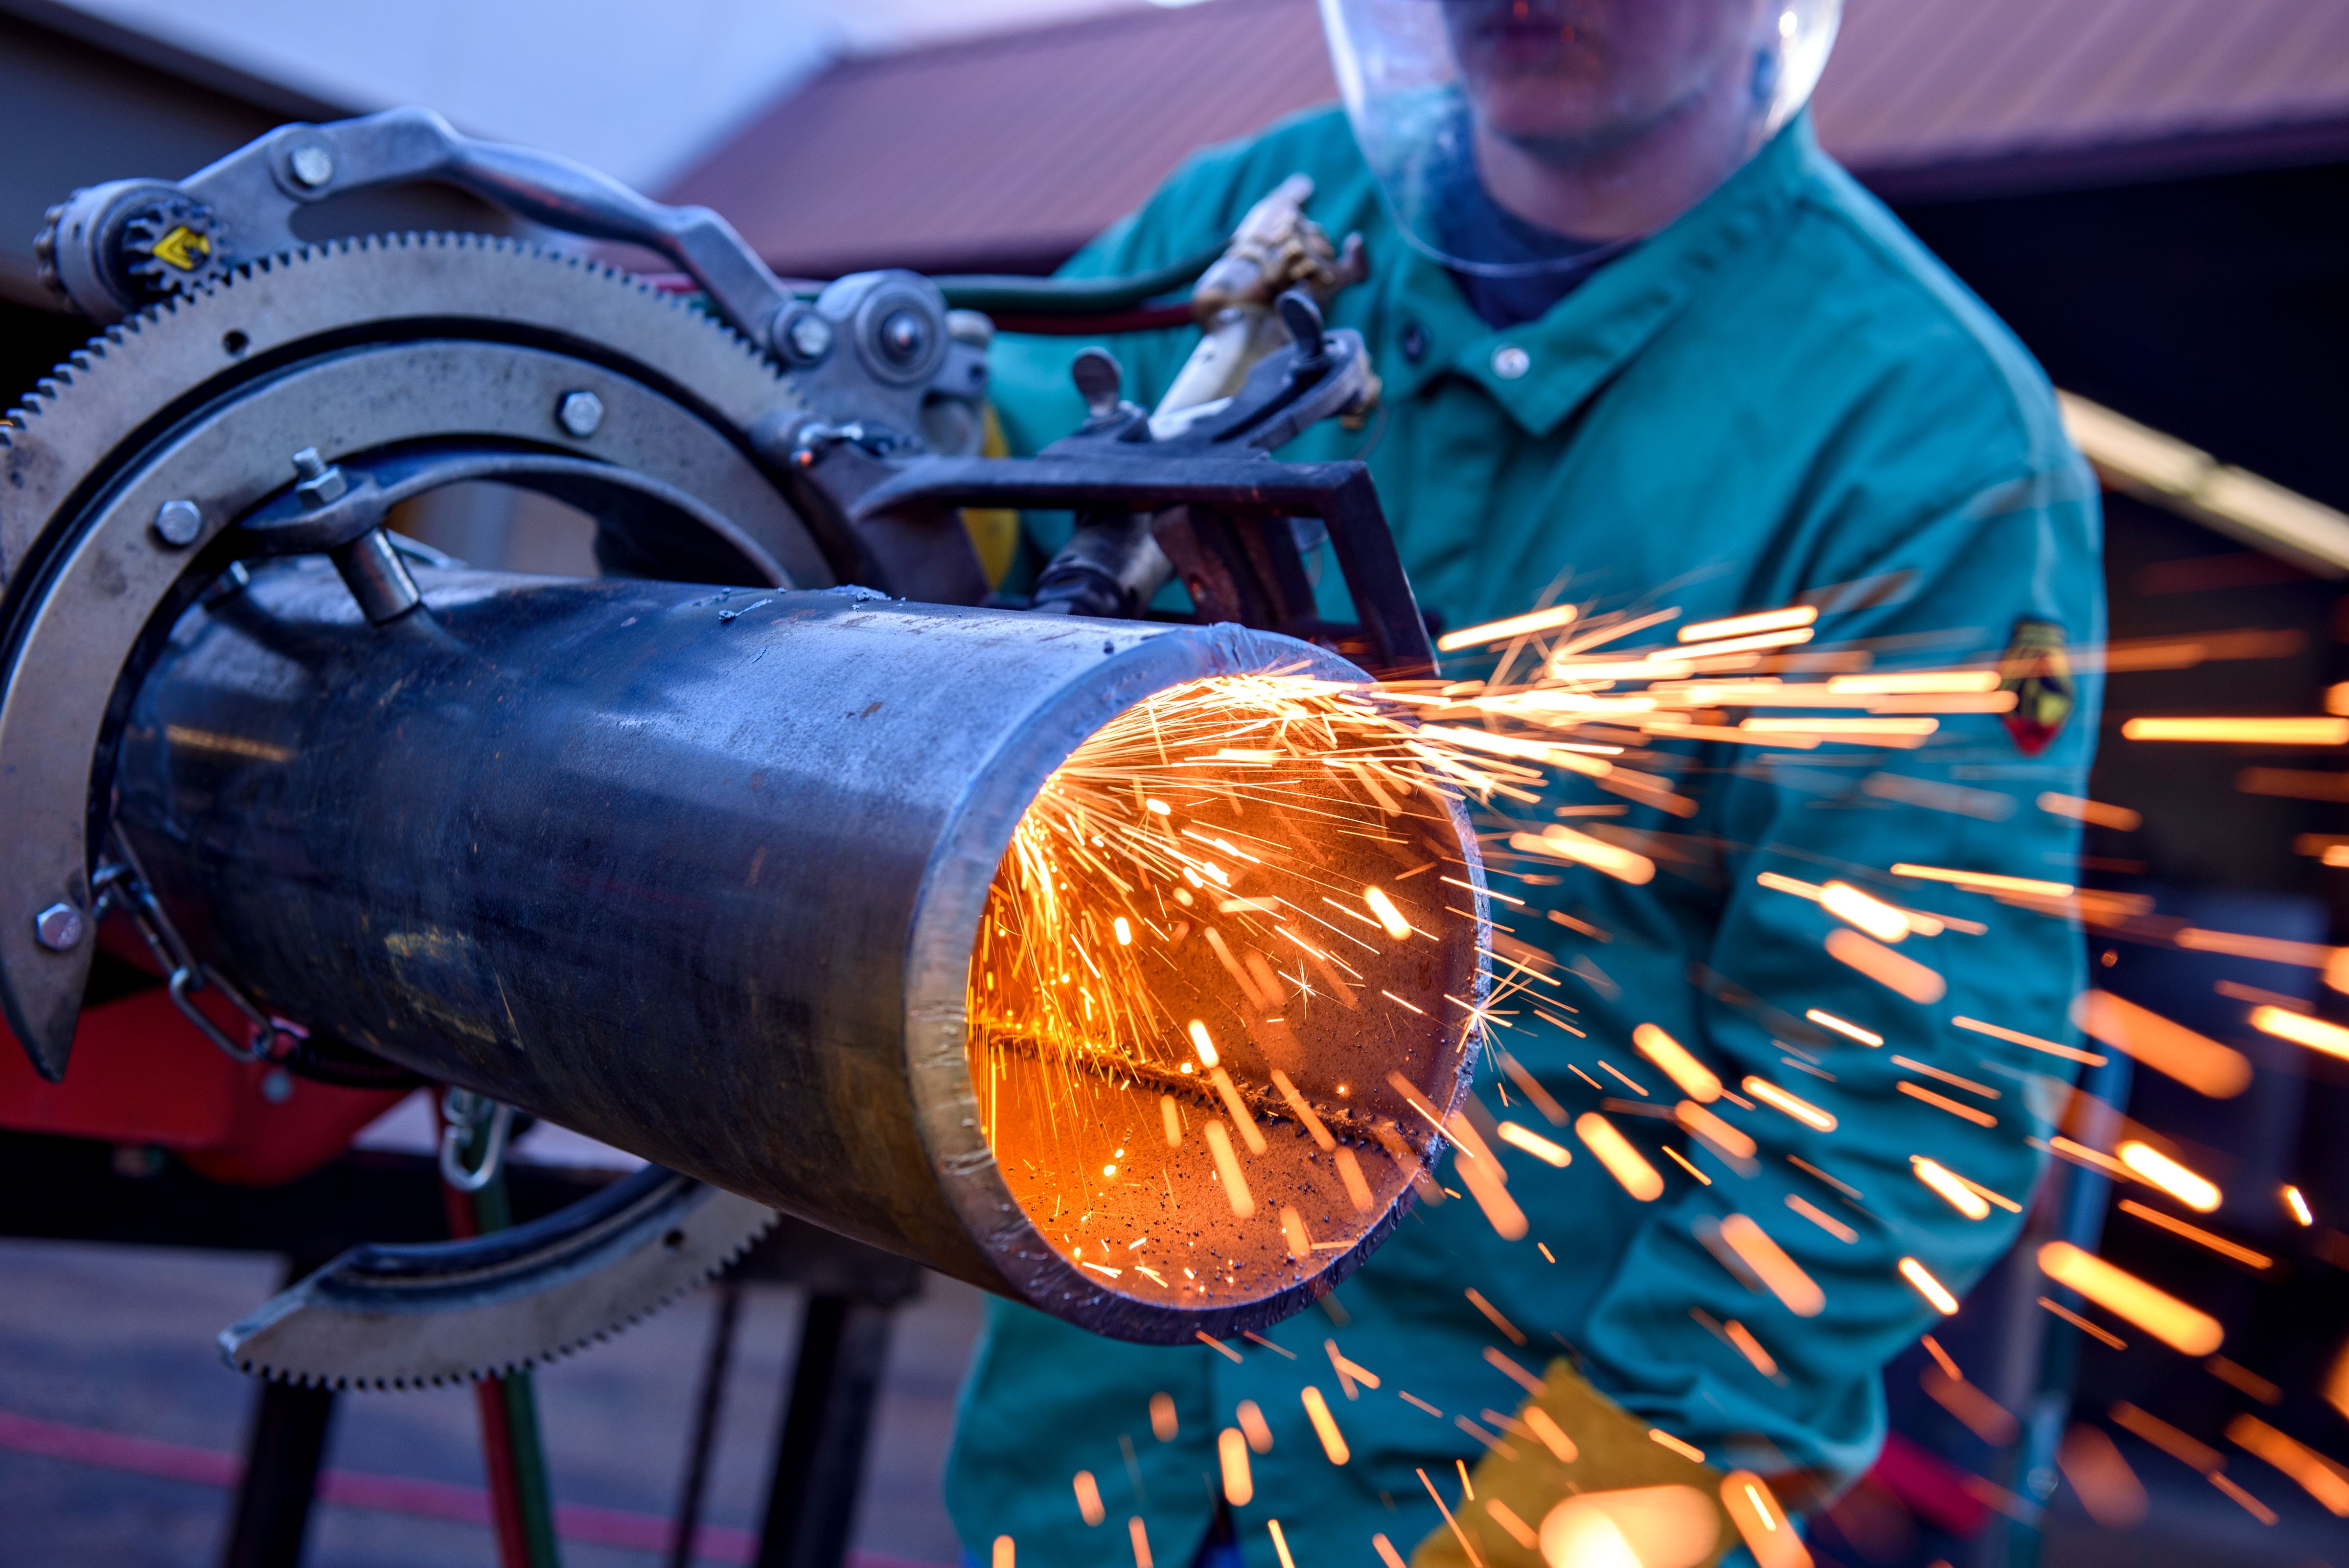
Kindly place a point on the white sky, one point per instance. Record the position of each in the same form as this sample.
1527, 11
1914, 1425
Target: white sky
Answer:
636, 88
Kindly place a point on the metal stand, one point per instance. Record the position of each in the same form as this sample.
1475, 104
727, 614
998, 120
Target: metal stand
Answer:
282, 1458
819, 1452
708, 1409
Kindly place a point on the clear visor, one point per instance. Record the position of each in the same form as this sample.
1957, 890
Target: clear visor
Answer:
1483, 118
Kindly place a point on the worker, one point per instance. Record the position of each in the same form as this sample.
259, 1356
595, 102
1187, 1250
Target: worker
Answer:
1644, 346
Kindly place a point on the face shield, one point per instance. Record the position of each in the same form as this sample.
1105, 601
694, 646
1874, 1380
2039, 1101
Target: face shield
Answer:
1459, 106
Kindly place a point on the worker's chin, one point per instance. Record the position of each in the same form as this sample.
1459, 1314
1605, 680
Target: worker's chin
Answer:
1553, 125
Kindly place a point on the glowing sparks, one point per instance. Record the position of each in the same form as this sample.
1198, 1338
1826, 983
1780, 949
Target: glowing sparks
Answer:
1746, 625
1124, 930
1931, 1289
1231, 1451
1985, 881
1904, 976
1089, 1497
1562, 843
1791, 1104
1163, 1424
1228, 1167
1956, 1193
1779, 1273
1389, 915
2200, 1063
1547, 1151
1325, 1426
2157, 1169
1623, 1162
1005, 1554
1870, 913
1202, 1044
2118, 817
1503, 630
1841, 1026
1696, 1080
2301, 1030
2241, 732
2296, 1205
1764, 1526
2160, 1314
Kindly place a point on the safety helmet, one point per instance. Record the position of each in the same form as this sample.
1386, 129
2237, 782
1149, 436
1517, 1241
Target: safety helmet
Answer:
1570, 82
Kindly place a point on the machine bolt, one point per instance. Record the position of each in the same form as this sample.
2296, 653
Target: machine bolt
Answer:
807, 336
581, 413
320, 480
905, 337
58, 928
311, 166
177, 523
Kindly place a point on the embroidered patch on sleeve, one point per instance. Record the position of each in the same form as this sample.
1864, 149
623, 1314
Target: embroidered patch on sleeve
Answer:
2035, 667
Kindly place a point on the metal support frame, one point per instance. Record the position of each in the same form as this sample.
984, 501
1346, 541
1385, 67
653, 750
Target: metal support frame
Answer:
827, 1423
283, 1452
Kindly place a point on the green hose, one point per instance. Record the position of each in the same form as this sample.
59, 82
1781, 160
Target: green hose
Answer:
1073, 295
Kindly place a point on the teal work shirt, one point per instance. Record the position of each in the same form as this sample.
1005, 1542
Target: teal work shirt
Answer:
1781, 397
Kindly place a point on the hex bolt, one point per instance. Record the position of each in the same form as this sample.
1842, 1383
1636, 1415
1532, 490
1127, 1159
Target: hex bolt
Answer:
59, 928
311, 166
177, 523
581, 413
319, 480
807, 336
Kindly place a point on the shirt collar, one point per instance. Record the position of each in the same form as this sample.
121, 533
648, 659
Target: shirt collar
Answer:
1568, 353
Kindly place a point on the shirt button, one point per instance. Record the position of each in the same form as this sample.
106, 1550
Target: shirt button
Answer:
1509, 361
1414, 342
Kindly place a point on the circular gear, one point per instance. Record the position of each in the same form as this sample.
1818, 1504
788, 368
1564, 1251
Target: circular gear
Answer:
171, 245
356, 348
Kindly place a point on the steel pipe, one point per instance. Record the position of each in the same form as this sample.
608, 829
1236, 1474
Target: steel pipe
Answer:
700, 872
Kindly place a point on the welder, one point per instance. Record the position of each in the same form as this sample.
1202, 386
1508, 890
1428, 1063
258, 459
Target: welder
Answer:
1644, 346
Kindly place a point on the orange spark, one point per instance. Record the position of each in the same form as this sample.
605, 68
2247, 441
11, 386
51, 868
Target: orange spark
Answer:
1871, 914
2195, 1060
2083, 810
1089, 1500
1985, 881
1784, 1277
1502, 631
2241, 732
1562, 843
1931, 1289
2301, 1030
1623, 1162
2298, 1204
2155, 1169
1231, 1450
1227, 1165
1960, 1197
1829, 1021
1794, 1105
1533, 1143
2160, 1314
1744, 625
1163, 1422
1696, 1080
1766, 1530
1325, 1426
1890, 970
1389, 915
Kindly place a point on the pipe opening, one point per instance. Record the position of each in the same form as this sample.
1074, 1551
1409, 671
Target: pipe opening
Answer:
1222, 929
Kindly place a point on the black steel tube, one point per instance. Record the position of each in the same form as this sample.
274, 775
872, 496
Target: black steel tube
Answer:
699, 872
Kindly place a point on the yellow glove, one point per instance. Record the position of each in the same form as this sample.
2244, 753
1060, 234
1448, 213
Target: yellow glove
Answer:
1585, 1486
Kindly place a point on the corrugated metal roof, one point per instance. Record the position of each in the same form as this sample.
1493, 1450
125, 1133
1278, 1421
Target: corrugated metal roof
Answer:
1011, 150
